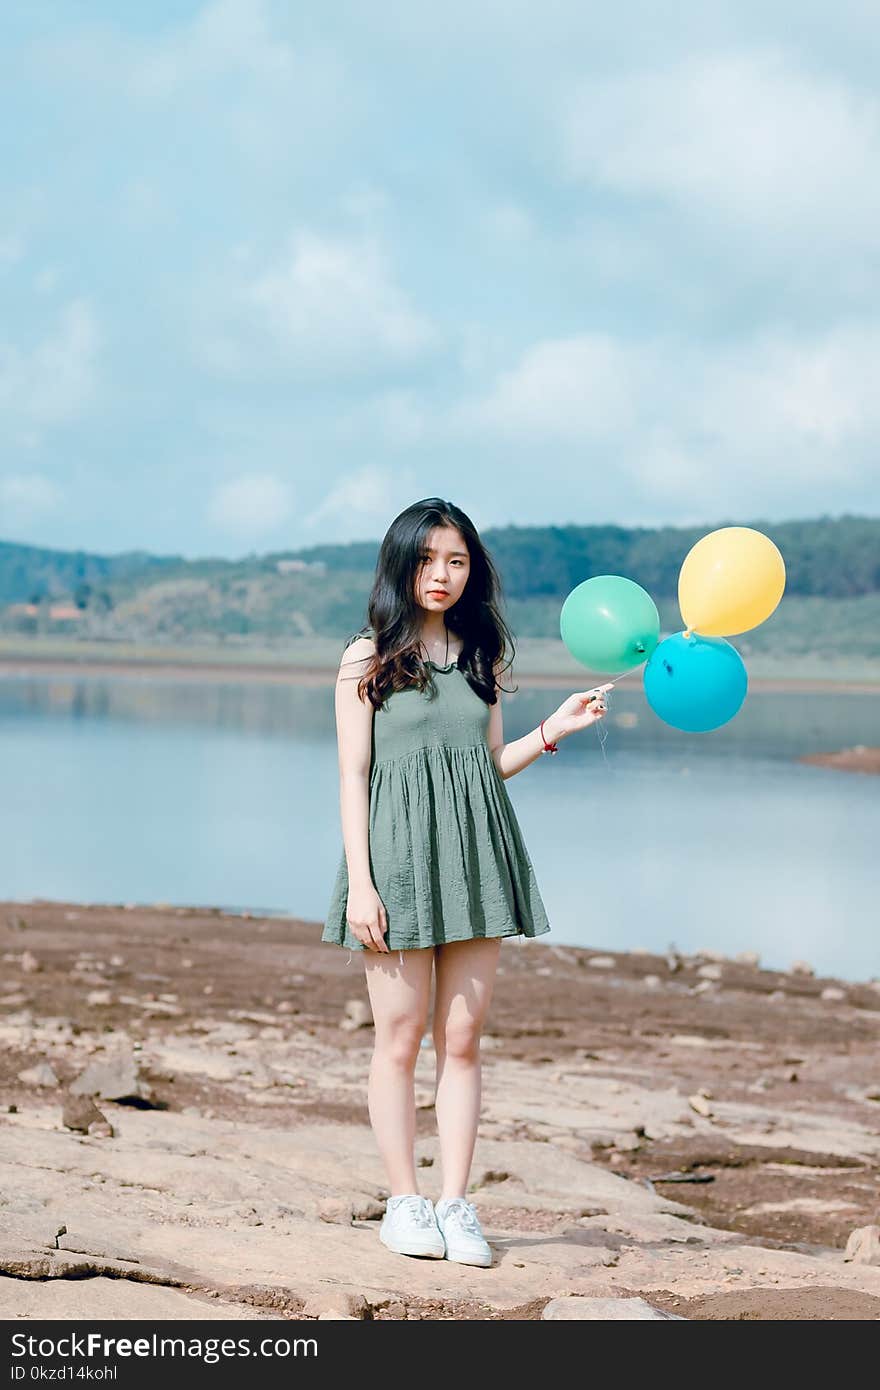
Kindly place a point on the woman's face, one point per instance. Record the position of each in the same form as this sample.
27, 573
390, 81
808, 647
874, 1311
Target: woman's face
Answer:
443, 569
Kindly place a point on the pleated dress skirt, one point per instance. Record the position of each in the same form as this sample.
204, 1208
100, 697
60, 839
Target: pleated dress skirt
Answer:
447, 855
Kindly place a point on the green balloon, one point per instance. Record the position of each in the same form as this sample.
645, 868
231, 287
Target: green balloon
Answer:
609, 623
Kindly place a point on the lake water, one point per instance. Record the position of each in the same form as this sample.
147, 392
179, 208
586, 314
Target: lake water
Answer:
226, 794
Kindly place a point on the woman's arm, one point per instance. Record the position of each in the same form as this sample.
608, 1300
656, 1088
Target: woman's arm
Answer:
510, 758
354, 728
575, 713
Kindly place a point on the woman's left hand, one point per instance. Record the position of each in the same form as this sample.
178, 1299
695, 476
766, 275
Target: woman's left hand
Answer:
579, 711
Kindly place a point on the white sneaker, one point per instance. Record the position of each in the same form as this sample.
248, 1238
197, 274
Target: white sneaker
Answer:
465, 1242
409, 1227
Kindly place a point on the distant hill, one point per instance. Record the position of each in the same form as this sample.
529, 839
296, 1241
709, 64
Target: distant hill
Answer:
322, 590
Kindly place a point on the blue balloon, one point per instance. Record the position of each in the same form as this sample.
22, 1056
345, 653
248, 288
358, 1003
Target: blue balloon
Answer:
695, 683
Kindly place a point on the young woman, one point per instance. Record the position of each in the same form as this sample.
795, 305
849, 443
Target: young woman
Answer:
434, 870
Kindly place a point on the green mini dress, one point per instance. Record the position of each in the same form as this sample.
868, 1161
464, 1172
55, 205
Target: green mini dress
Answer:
447, 854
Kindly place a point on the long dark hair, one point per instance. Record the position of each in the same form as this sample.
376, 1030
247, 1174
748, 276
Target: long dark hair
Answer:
396, 618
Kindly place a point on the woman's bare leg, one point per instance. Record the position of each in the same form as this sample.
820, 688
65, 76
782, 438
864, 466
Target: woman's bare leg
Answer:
463, 992
400, 997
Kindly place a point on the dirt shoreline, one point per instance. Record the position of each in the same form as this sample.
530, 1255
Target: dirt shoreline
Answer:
858, 759
12, 666
632, 1068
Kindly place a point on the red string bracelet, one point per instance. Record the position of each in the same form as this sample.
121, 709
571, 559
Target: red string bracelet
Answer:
548, 747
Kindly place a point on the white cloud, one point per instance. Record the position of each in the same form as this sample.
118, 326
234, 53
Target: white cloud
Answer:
251, 504
27, 497
337, 295
55, 380
397, 417
803, 406
11, 249
225, 79
46, 280
328, 307
748, 137
362, 502
508, 224
225, 37
672, 421
570, 388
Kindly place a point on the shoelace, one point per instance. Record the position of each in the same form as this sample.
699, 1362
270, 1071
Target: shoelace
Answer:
418, 1209
465, 1213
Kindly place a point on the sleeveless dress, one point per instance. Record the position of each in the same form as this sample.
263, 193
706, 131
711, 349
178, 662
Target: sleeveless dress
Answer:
447, 855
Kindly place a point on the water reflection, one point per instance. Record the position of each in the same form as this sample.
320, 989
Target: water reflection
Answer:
225, 792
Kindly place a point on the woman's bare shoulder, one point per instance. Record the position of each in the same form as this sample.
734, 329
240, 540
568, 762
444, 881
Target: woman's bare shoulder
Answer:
358, 649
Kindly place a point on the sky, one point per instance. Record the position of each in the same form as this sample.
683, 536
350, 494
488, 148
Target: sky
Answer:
270, 272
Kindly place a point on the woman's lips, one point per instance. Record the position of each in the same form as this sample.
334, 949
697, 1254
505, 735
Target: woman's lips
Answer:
439, 593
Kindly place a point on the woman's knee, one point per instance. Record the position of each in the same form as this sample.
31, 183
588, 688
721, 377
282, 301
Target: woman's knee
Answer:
398, 1040
460, 1040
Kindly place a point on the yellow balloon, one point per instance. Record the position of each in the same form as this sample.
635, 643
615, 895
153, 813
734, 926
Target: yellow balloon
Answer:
730, 581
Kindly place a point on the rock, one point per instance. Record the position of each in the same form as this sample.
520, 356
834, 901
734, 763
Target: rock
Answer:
863, 1246
78, 1112
101, 1129
395, 1309
339, 1305
564, 954
651, 981
358, 1015
627, 1141
99, 998
367, 1209
709, 972
112, 1078
776, 996
704, 987
336, 1210
604, 1310
94, 1244
700, 1104
748, 958
673, 960
801, 967
832, 992
711, 955
602, 962
570, 1142
29, 962
40, 1075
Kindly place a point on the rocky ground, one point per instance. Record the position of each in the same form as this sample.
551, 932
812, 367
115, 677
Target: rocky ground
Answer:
184, 1130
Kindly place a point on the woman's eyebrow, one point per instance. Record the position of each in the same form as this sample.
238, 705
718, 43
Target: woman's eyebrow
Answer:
430, 549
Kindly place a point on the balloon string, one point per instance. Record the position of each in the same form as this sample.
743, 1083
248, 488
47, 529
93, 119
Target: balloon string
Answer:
601, 731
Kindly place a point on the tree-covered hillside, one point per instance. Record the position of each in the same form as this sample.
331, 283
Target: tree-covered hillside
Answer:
322, 591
